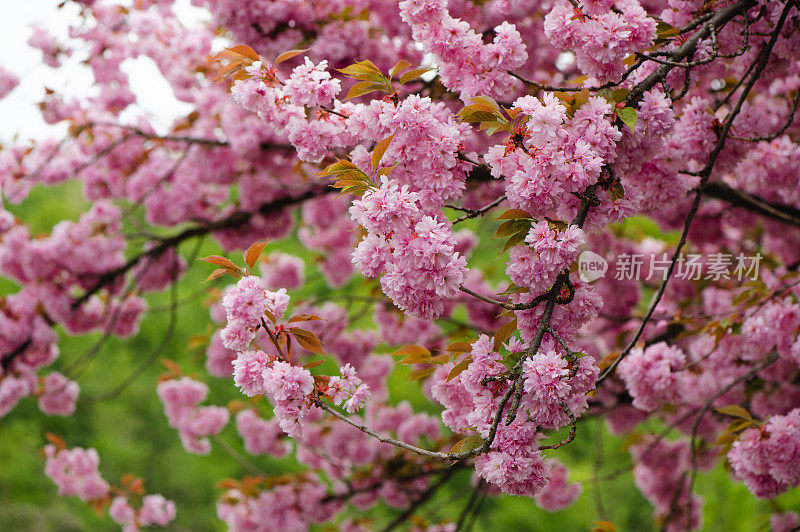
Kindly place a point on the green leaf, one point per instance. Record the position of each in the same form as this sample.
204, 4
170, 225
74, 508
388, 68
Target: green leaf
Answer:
517, 238
514, 289
420, 373
413, 74
509, 361
628, 116
489, 102
365, 71
398, 67
363, 87
664, 30
735, 411
351, 179
469, 443
512, 227
616, 191
476, 115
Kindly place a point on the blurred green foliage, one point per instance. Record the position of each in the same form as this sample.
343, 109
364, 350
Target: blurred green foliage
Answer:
131, 433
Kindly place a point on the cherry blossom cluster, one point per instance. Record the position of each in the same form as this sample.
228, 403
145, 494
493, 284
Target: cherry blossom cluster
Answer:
181, 399
50, 269
661, 476
466, 64
75, 472
282, 104
8, 82
554, 155
155, 511
601, 34
415, 252
716, 362
548, 253
555, 393
261, 436
289, 506
245, 306
766, 459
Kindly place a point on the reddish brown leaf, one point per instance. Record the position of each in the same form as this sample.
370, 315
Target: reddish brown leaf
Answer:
513, 214
171, 365
219, 272
252, 253
458, 368
380, 149
314, 364
412, 350
240, 51
220, 261
55, 440
304, 317
459, 347
504, 333
285, 56
307, 339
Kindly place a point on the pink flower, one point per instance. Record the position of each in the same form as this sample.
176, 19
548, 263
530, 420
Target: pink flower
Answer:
286, 382
559, 493
358, 399
236, 336
156, 510
75, 472
59, 395
121, 512
311, 85
247, 302
261, 436
651, 375
248, 371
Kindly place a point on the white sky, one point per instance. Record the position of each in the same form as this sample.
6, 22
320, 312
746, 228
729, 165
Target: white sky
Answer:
19, 114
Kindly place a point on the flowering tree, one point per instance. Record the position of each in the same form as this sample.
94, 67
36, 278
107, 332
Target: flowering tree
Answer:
373, 131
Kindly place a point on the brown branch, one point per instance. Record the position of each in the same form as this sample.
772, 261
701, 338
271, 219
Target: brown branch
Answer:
775, 211
5, 363
476, 212
573, 429
155, 353
772, 357
399, 443
780, 131
419, 501
478, 174
705, 174
234, 220
716, 22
